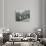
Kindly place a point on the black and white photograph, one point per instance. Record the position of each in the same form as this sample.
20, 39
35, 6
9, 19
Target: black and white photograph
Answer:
23, 15
22, 22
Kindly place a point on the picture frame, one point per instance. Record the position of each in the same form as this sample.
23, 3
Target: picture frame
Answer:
22, 15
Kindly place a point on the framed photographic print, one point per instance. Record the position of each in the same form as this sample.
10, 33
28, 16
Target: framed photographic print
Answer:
22, 15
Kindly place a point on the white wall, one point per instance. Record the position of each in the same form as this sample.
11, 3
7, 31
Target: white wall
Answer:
35, 15
1, 15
